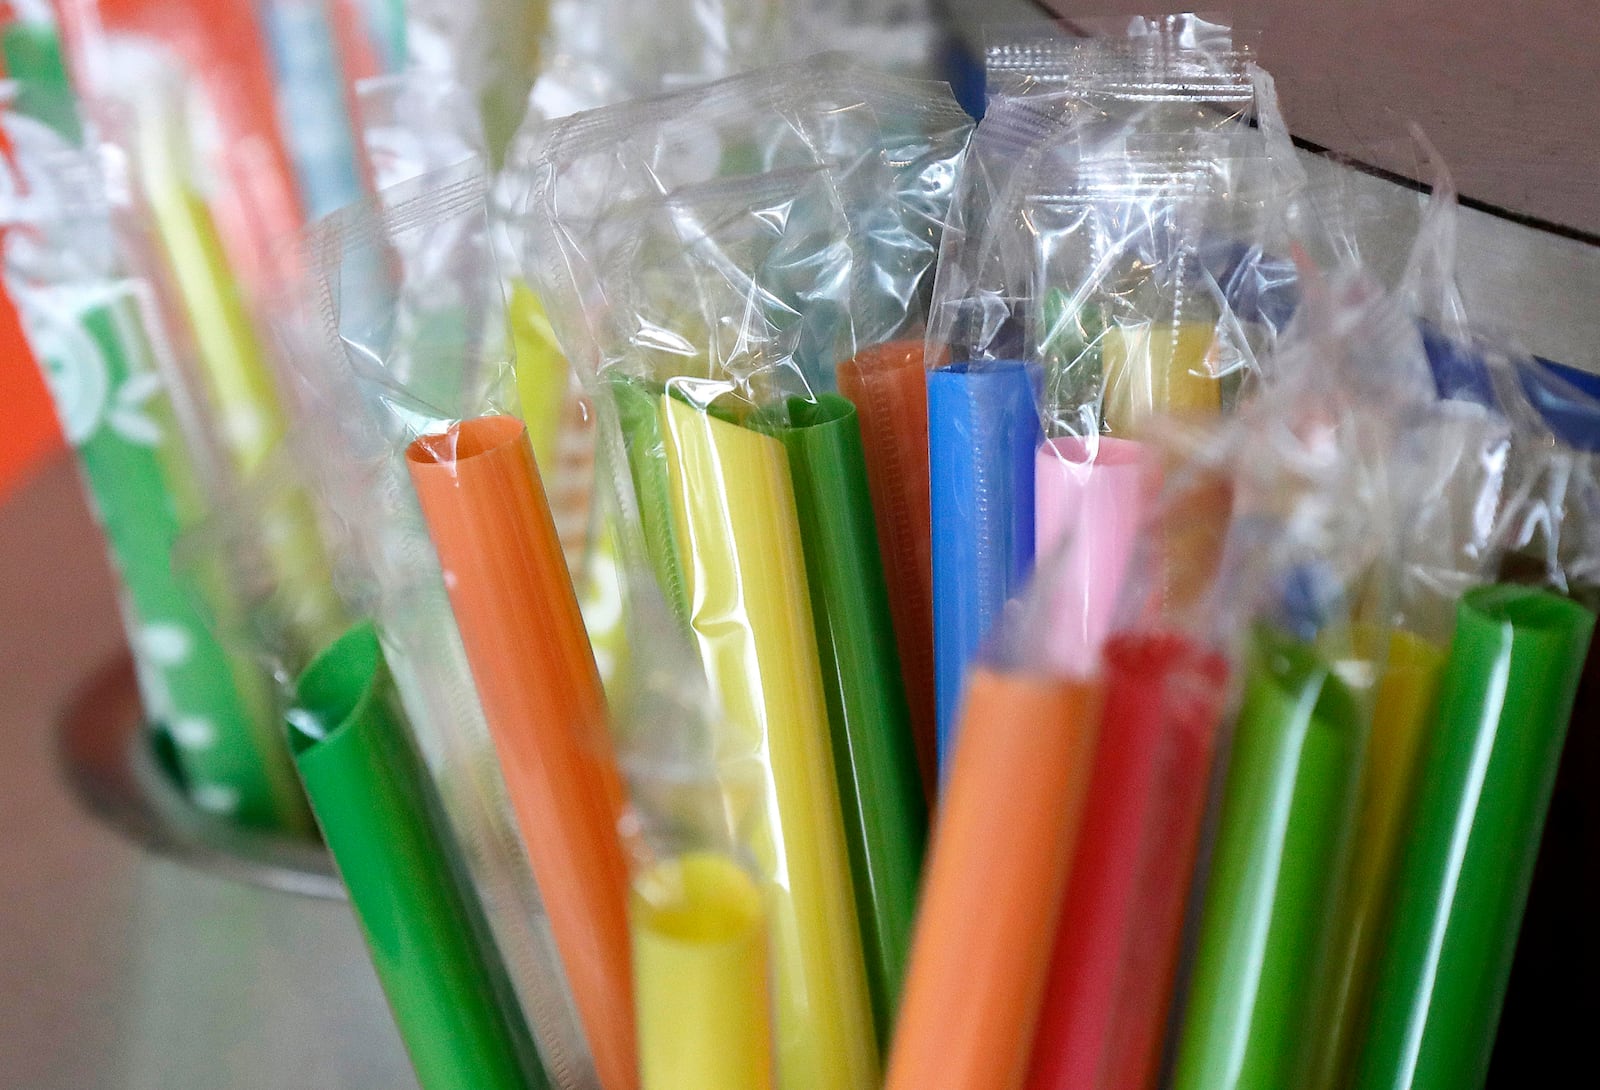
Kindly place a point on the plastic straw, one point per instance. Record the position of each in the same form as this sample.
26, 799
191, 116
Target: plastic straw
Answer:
889, 387
885, 811
639, 415
983, 432
215, 705
1116, 949
1402, 714
1090, 500
1155, 370
1008, 828
542, 374
1286, 808
371, 799
701, 977
751, 616
315, 99
1504, 702
530, 657
241, 389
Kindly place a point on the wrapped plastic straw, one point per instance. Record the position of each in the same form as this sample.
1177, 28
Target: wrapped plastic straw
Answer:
983, 430
535, 672
1536, 1022
373, 803
1115, 963
1292, 773
699, 910
382, 360
1010, 817
1505, 698
316, 97
878, 783
888, 385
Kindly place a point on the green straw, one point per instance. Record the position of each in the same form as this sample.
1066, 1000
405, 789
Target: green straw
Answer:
1505, 699
1287, 802
880, 789
114, 407
639, 414
370, 796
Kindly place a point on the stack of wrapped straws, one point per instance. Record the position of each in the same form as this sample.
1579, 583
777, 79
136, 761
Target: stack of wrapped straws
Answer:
773, 584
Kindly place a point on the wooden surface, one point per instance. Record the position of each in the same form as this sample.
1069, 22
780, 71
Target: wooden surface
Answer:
1508, 90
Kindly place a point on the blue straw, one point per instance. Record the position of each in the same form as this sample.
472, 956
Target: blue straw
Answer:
983, 431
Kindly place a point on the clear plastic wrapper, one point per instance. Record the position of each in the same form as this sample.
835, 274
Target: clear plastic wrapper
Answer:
415, 357
1011, 818
1487, 777
1117, 253
890, 148
150, 473
742, 286
1311, 557
701, 935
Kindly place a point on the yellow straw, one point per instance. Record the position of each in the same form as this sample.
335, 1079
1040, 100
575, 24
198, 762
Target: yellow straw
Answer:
1156, 369
1402, 713
751, 616
541, 374
700, 977
236, 375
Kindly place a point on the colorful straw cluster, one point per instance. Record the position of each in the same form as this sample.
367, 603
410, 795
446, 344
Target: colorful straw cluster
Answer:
850, 598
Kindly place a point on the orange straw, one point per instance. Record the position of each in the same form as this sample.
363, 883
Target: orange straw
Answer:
535, 673
1007, 831
889, 386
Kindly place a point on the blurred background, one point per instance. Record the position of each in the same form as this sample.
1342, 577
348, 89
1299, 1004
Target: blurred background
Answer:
138, 953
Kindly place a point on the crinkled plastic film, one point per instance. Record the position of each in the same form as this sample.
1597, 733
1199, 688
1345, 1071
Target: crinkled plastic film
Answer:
1432, 1020
1117, 228
392, 358
741, 280
889, 148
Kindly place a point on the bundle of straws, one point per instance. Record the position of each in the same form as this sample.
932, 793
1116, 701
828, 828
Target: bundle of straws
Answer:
1047, 606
